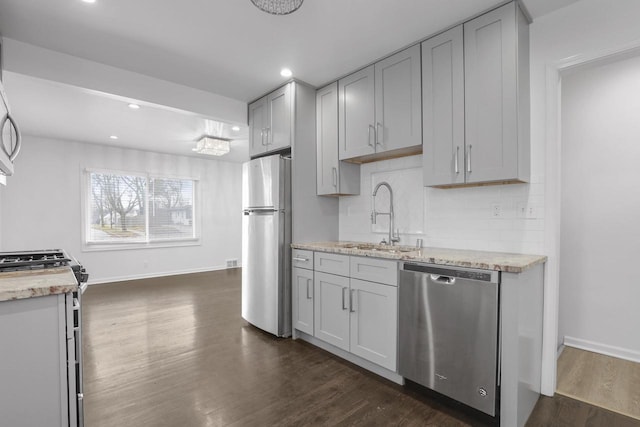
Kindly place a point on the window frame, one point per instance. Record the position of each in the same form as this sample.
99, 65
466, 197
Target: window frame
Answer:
89, 246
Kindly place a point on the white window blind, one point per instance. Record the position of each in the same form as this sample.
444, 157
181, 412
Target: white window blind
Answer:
128, 208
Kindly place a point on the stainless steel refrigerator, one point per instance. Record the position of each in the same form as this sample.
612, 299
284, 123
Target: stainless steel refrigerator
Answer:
266, 240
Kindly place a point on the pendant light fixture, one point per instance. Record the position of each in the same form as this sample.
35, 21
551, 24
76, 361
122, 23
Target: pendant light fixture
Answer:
278, 7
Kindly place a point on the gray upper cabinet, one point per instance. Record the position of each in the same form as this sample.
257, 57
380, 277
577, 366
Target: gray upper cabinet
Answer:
443, 108
398, 104
357, 114
380, 109
496, 102
270, 122
257, 126
333, 176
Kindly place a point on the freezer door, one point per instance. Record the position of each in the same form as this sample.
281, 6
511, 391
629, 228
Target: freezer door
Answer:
263, 272
261, 183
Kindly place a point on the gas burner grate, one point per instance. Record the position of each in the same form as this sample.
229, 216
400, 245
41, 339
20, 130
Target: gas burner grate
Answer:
32, 260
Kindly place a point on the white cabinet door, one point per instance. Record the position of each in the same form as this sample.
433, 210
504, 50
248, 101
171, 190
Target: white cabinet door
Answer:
374, 321
331, 309
443, 109
279, 106
302, 281
258, 127
357, 114
491, 95
398, 101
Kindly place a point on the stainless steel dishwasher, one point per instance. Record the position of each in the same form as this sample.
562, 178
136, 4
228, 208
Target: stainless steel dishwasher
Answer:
448, 332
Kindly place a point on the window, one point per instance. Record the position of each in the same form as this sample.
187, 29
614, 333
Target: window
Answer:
129, 208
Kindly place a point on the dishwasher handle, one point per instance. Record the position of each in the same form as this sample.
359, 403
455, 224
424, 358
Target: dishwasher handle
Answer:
445, 280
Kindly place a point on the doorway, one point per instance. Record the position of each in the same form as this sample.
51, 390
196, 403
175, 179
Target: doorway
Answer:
600, 234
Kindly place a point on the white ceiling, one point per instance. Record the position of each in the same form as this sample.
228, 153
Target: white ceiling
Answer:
228, 47
48, 109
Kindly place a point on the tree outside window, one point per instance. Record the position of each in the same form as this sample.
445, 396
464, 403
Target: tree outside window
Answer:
134, 209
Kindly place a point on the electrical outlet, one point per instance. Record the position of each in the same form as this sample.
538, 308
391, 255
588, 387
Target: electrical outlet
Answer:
231, 263
496, 210
145, 263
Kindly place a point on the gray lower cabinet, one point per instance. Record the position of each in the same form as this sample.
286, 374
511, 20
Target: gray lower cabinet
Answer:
33, 368
374, 322
302, 290
334, 177
380, 109
331, 308
476, 101
302, 316
354, 315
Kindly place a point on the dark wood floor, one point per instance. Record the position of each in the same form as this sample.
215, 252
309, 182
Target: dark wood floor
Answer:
175, 352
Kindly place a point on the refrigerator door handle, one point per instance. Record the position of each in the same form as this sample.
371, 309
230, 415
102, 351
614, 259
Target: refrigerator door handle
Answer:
267, 211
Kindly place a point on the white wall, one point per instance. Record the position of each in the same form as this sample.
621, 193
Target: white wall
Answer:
41, 207
600, 232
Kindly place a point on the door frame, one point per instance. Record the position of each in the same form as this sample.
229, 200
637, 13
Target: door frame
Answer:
553, 195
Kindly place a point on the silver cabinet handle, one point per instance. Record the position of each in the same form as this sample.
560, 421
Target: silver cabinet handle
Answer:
469, 159
351, 310
309, 294
457, 158
18, 144
343, 298
378, 132
297, 258
268, 132
334, 171
369, 135
262, 136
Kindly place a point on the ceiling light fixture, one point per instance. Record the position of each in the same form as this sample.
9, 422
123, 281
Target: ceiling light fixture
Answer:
134, 106
236, 128
89, 1
278, 7
212, 145
114, 137
285, 72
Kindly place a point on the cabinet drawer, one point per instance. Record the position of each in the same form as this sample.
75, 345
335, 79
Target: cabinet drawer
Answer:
302, 259
375, 270
332, 263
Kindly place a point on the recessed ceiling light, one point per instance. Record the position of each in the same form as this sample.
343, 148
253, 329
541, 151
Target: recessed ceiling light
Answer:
89, 1
285, 72
114, 137
134, 106
235, 128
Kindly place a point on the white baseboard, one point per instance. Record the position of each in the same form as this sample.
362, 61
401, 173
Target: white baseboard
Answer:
608, 350
153, 275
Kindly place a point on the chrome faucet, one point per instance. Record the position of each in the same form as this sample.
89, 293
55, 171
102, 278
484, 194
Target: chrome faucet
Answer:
392, 238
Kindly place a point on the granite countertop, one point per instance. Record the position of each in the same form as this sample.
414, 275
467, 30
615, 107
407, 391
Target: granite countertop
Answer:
499, 261
36, 283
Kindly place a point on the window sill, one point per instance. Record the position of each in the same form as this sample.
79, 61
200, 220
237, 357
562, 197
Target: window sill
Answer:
99, 247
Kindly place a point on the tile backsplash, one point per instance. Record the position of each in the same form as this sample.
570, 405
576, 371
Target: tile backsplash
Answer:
507, 218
